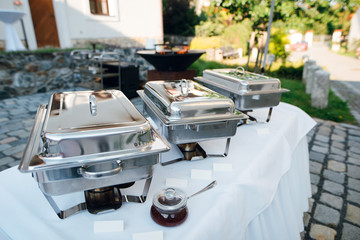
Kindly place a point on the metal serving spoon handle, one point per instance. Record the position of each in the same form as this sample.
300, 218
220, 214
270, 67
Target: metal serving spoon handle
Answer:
210, 186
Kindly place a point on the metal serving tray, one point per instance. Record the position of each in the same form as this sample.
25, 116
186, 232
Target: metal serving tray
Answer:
247, 90
89, 139
186, 111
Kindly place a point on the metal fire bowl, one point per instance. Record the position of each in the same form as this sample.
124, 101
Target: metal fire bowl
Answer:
170, 61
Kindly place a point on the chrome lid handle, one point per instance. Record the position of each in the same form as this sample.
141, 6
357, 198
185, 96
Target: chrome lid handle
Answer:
94, 175
242, 70
93, 105
184, 84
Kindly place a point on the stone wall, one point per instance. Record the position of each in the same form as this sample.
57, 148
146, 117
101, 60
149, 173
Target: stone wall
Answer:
120, 41
28, 73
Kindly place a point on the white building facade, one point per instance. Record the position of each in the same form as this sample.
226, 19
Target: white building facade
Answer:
77, 23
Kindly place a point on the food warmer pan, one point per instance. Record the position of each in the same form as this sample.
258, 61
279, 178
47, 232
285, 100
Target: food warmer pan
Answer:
89, 140
248, 90
187, 112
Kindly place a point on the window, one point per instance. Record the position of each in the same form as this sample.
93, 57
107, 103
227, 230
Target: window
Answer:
99, 7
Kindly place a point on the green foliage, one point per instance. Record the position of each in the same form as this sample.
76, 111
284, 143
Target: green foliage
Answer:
211, 34
209, 29
322, 16
238, 34
350, 53
215, 23
258, 11
291, 72
278, 40
201, 64
179, 18
337, 110
206, 42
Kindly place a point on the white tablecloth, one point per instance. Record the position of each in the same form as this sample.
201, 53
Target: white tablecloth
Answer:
12, 41
262, 198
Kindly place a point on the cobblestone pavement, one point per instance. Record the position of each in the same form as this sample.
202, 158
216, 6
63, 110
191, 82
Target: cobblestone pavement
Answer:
16, 121
334, 211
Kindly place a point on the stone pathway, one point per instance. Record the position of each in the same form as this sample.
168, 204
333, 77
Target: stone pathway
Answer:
344, 73
16, 121
347, 92
334, 211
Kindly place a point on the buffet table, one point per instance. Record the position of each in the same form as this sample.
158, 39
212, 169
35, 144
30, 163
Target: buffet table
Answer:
262, 191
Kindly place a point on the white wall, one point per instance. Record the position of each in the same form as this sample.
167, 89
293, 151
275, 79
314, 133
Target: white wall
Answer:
128, 18
133, 19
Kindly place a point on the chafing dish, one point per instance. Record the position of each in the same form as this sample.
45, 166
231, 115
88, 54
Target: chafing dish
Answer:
248, 90
187, 112
88, 140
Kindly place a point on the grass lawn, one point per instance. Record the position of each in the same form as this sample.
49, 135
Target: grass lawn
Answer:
344, 52
337, 110
290, 75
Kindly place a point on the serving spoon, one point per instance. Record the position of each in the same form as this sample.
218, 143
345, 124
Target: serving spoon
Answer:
210, 186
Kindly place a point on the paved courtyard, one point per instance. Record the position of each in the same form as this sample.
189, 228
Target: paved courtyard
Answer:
334, 211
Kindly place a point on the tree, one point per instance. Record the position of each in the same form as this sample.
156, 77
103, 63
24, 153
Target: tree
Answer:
179, 18
258, 11
323, 16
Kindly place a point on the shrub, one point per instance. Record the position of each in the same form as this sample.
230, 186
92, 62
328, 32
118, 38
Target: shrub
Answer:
238, 34
235, 35
209, 29
206, 42
278, 40
201, 64
289, 72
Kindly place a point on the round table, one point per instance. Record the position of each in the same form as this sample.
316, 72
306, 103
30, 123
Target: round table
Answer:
261, 195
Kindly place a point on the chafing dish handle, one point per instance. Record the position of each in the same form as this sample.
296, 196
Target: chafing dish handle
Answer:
93, 175
33, 142
93, 105
242, 70
184, 85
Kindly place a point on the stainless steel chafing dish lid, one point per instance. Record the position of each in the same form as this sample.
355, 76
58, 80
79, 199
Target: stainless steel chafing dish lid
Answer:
241, 82
185, 101
86, 127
